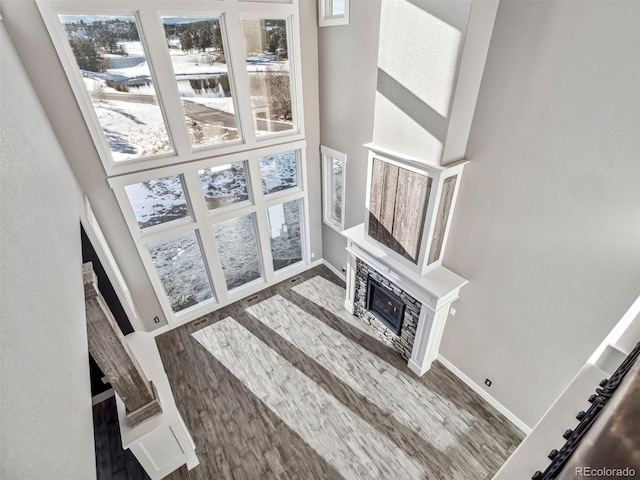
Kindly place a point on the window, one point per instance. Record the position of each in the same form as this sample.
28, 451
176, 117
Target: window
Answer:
159, 88
267, 59
334, 170
115, 73
333, 12
195, 109
279, 172
178, 261
238, 250
214, 231
284, 232
158, 201
225, 185
197, 52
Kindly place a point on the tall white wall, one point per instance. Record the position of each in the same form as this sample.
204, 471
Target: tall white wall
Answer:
547, 223
46, 426
348, 57
418, 61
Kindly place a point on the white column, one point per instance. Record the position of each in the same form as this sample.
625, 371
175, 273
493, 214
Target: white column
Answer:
350, 281
428, 335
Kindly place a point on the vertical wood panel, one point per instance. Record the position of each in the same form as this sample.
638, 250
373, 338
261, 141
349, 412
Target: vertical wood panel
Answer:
388, 204
411, 204
375, 200
446, 198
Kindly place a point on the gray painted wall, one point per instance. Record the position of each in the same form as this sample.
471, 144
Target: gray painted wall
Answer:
26, 28
547, 224
348, 60
46, 423
418, 61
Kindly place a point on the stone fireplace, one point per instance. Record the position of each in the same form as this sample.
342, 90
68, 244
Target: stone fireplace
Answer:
396, 283
400, 339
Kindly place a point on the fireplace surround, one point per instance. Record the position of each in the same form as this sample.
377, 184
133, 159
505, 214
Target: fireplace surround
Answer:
385, 305
400, 339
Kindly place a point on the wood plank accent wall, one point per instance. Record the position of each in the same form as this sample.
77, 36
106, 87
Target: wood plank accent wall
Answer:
442, 218
112, 354
397, 207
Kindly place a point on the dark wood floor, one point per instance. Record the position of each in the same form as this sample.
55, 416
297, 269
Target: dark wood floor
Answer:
112, 462
289, 385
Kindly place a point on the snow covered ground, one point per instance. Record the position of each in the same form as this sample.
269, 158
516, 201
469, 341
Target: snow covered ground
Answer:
130, 116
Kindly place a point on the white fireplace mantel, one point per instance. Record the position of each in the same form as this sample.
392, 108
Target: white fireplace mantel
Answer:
436, 290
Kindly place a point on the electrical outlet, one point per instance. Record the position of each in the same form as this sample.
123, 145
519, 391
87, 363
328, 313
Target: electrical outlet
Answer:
452, 311
156, 319
313, 255
487, 382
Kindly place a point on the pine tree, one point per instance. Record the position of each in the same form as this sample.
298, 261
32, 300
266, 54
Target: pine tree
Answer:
86, 54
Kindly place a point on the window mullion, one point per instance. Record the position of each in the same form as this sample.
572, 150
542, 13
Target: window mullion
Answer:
164, 78
237, 64
261, 219
201, 215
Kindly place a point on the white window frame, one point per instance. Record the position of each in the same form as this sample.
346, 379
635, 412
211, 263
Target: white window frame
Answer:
101, 247
326, 17
328, 155
202, 220
150, 28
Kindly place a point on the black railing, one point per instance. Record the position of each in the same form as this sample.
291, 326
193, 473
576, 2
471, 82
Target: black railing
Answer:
598, 401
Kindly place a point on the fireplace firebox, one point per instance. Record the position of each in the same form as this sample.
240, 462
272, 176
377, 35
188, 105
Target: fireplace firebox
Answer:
385, 305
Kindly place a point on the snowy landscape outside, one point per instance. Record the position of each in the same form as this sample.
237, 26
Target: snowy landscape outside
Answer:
117, 76
163, 200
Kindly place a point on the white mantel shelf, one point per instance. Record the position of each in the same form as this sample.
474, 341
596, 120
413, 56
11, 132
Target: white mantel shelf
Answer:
435, 290
439, 282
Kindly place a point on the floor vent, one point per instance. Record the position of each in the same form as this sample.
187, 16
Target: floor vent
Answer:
199, 322
295, 279
253, 299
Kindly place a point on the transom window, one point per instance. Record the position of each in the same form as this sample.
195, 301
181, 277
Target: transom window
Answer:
161, 83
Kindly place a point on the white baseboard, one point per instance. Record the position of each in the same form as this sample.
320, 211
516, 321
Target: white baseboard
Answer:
415, 368
334, 270
483, 393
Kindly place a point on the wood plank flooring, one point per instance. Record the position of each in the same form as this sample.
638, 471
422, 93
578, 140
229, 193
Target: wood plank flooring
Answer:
289, 385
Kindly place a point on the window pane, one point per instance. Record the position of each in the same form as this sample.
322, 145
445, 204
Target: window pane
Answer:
238, 250
158, 201
266, 53
116, 74
284, 230
338, 7
336, 190
181, 269
279, 172
224, 185
200, 67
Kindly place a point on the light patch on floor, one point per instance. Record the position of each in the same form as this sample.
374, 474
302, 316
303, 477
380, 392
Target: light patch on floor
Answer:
342, 438
399, 395
329, 296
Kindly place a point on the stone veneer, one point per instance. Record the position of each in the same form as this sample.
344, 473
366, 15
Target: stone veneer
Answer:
403, 343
